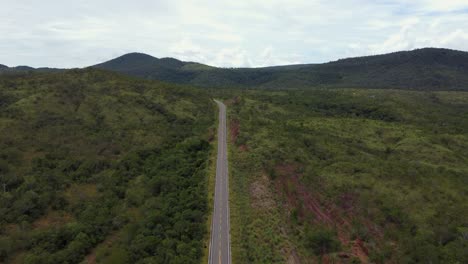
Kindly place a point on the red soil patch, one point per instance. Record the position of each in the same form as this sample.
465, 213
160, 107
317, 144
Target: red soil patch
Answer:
243, 148
360, 251
234, 128
298, 197
312, 206
234, 131
91, 258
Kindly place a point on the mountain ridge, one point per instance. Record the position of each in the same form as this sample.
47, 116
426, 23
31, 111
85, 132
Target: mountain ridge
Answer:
419, 69
25, 69
401, 54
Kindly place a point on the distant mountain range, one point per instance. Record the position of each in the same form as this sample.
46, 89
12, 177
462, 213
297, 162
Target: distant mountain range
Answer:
421, 69
24, 69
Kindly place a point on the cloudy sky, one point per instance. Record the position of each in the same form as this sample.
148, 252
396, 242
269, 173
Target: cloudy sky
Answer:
224, 33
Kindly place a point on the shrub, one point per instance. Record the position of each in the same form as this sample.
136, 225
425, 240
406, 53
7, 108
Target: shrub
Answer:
321, 240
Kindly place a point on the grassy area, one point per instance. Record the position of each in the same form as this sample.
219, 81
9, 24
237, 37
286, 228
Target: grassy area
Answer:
258, 230
100, 165
349, 175
257, 235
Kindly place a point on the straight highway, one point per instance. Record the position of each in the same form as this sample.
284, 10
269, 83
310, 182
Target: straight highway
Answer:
220, 245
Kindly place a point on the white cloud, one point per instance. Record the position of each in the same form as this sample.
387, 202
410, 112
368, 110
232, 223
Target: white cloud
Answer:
187, 50
443, 6
224, 33
417, 33
232, 57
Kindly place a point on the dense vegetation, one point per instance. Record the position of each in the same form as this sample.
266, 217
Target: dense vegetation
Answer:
96, 165
5, 70
424, 69
349, 176
103, 168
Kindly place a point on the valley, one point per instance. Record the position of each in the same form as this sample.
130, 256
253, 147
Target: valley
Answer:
116, 163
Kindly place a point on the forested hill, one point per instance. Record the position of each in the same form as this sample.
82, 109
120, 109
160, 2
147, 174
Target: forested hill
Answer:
102, 166
4, 70
146, 66
434, 69
423, 69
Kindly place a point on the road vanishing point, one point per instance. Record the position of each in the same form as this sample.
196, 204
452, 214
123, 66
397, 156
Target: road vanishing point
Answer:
220, 243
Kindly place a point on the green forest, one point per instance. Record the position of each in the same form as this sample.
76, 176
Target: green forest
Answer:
96, 167
348, 176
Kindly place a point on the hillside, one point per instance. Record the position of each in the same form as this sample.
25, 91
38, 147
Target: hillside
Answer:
436, 69
98, 165
146, 66
423, 69
4, 70
348, 176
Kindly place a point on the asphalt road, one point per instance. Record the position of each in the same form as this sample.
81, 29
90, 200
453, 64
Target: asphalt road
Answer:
220, 244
